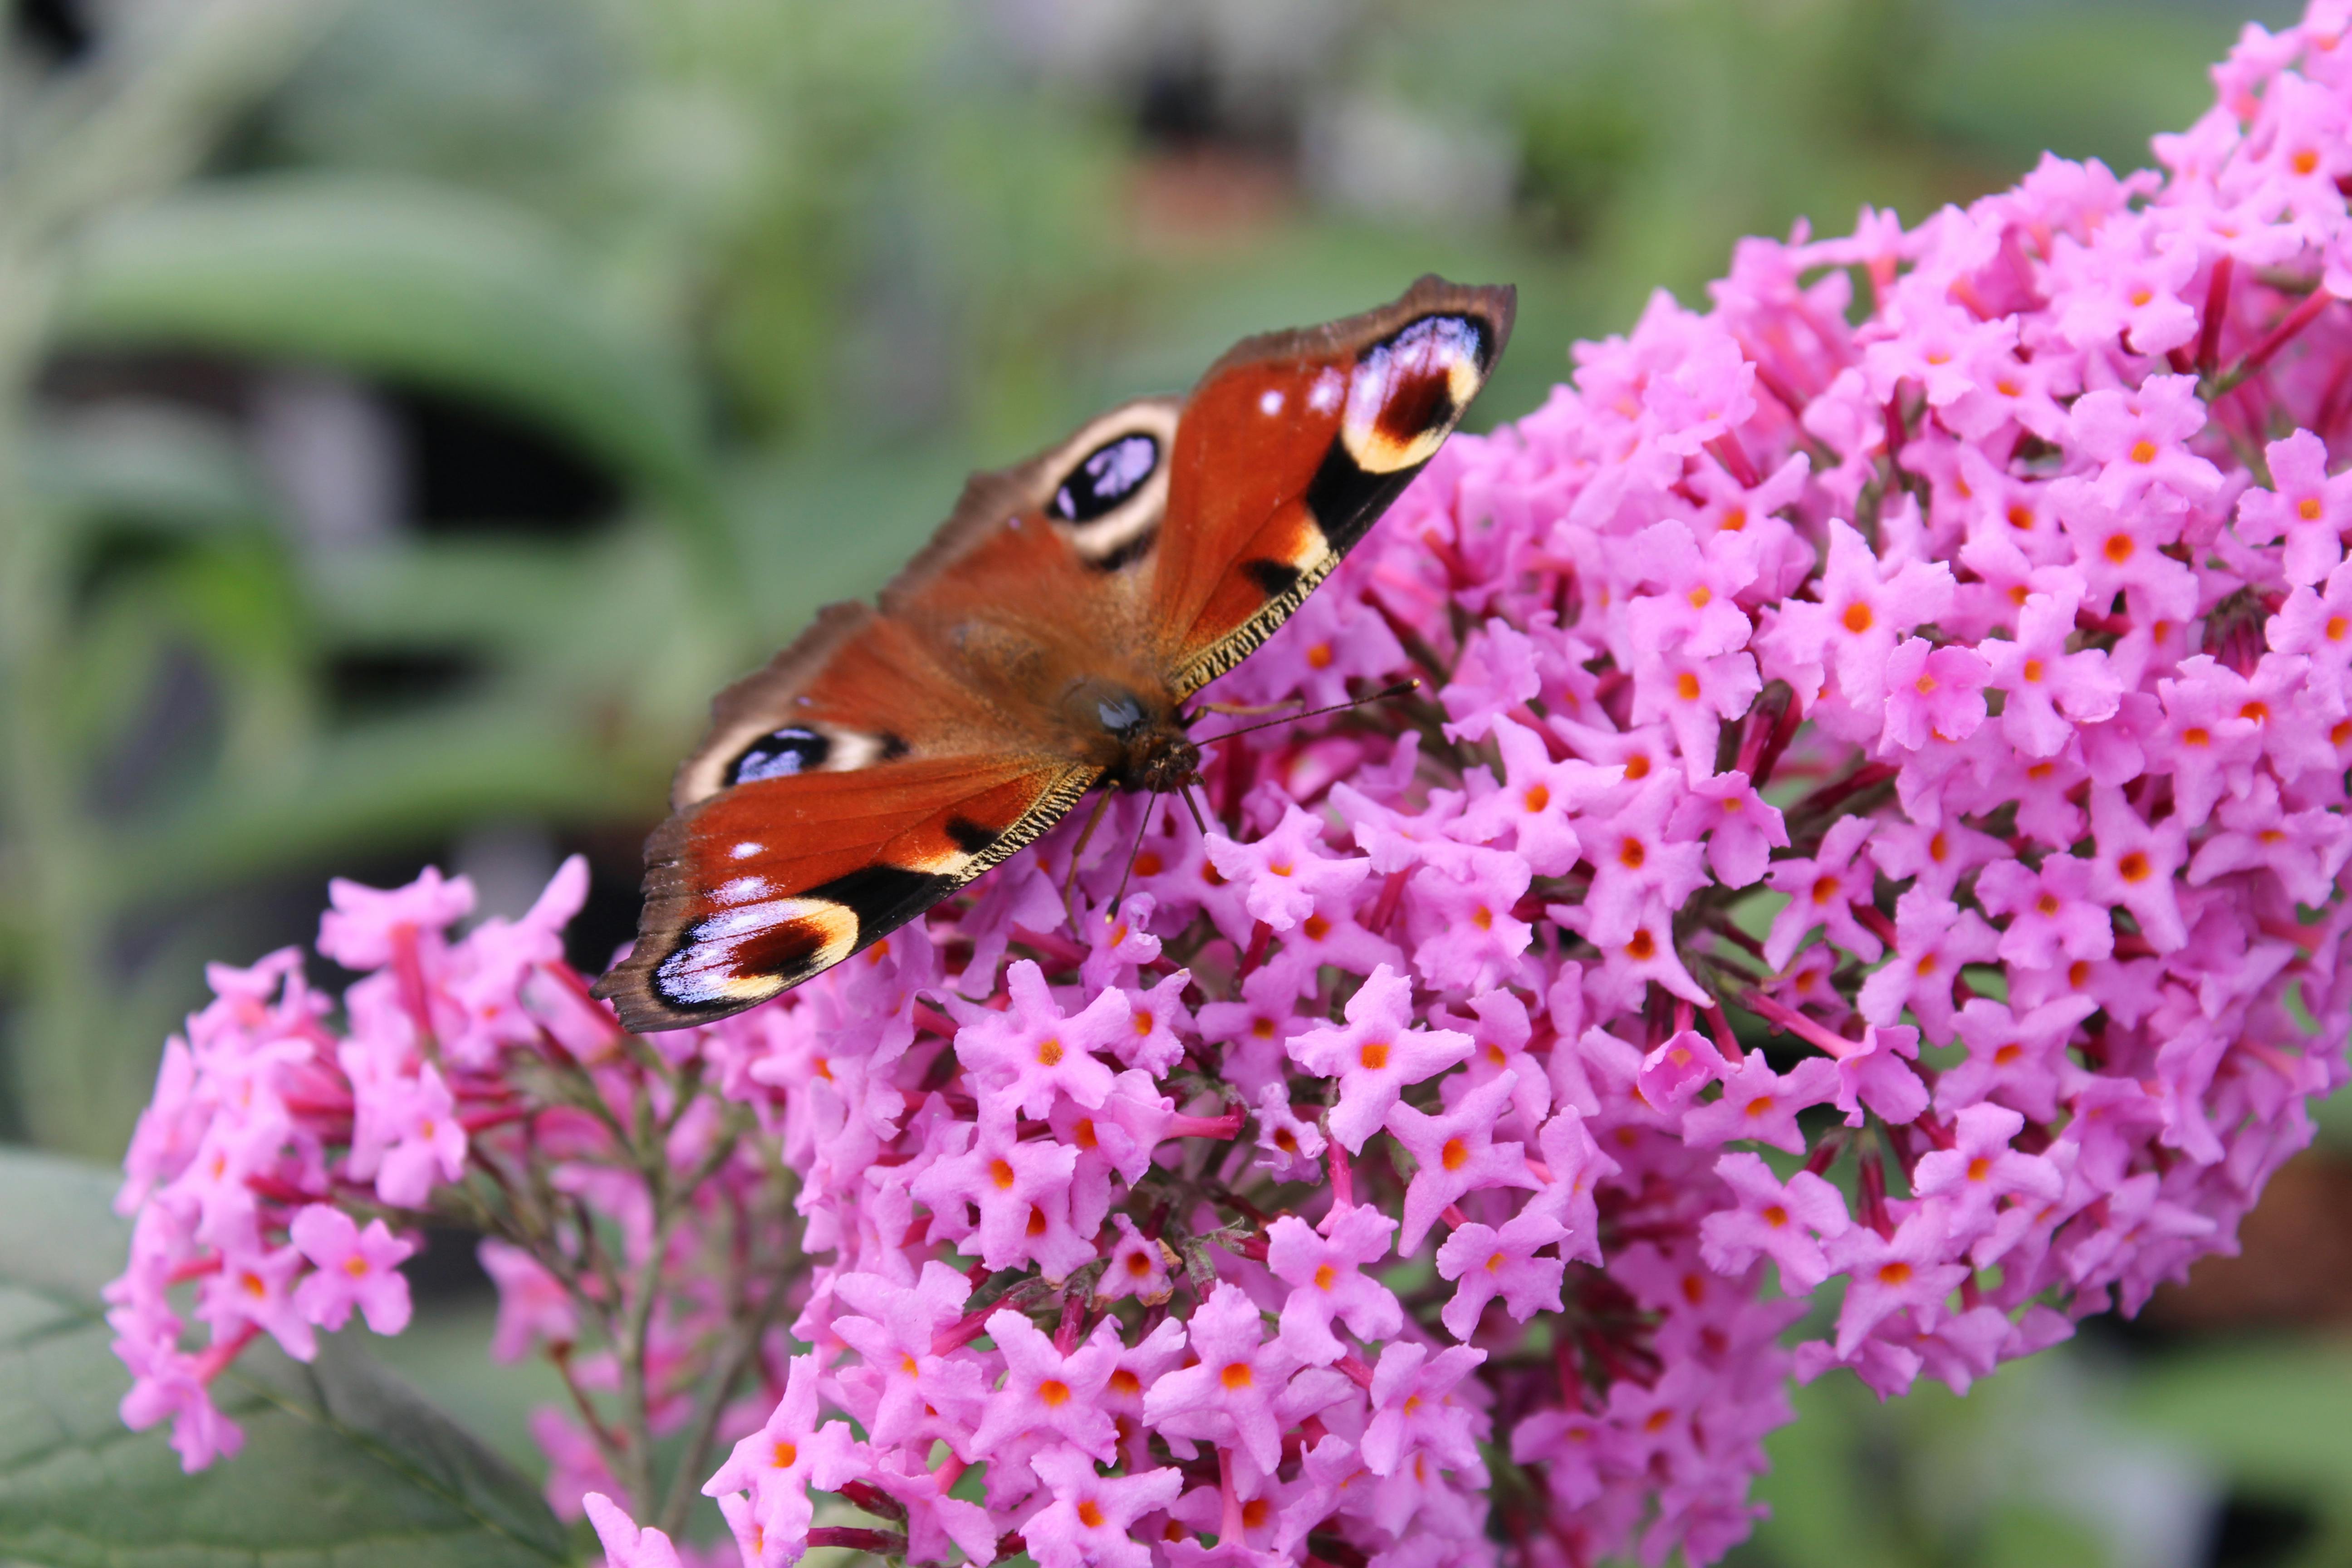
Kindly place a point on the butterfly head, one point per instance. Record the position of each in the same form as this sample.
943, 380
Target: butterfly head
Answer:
1139, 739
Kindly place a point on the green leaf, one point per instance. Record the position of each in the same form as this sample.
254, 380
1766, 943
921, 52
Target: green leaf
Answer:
342, 1464
404, 279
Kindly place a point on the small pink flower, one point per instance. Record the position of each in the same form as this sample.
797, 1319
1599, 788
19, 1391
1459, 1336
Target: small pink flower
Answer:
1491, 1261
367, 925
1414, 1411
791, 1453
1932, 693
1032, 1051
1244, 1390
1981, 1169
1091, 1517
2309, 509
533, 1307
1287, 872
1138, 1266
626, 1546
1325, 1273
1890, 1275
1375, 1054
1760, 1104
1785, 1222
1823, 889
354, 1267
1046, 1392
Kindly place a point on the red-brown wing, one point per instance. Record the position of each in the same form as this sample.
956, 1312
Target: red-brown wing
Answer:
842, 791
1292, 445
890, 755
756, 889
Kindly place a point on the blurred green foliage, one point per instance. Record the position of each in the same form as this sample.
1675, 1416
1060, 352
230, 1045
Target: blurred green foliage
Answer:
779, 271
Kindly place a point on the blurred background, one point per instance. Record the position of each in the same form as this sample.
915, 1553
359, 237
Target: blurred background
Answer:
412, 410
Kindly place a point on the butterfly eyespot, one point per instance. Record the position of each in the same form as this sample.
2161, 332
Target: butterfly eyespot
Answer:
751, 950
780, 755
813, 748
1406, 393
1104, 478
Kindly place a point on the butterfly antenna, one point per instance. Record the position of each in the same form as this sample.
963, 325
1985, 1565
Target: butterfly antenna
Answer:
1102, 804
1399, 689
1149, 808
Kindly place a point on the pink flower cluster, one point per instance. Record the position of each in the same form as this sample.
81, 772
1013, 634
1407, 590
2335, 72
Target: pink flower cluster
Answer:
286, 1166
1868, 878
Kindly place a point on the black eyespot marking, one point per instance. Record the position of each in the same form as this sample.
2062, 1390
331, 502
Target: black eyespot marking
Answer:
893, 747
1104, 478
1277, 577
968, 836
779, 755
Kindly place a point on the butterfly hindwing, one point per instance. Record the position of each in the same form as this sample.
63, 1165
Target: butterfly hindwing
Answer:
1290, 449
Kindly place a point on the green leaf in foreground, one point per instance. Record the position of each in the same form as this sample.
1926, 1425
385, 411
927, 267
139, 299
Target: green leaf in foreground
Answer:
342, 1464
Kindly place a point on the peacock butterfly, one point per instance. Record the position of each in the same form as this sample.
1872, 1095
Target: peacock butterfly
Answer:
1044, 642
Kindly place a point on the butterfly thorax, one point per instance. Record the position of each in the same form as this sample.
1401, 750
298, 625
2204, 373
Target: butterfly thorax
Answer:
1137, 738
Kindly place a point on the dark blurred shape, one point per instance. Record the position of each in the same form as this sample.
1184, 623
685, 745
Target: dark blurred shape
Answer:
449, 1268
2253, 1532
84, 377
180, 720
60, 30
1176, 107
1576, 152
473, 469
374, 682
2295, 1266
608, 921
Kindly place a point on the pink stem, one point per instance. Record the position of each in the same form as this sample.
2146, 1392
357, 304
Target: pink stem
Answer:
2217, 306
1790, 1021
1226, 1126
2302, 316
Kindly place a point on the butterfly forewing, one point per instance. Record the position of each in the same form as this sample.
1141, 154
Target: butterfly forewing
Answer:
1291, 447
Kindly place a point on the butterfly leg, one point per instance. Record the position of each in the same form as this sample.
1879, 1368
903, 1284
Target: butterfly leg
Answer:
1194, 808
1150, 807
1077, 852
